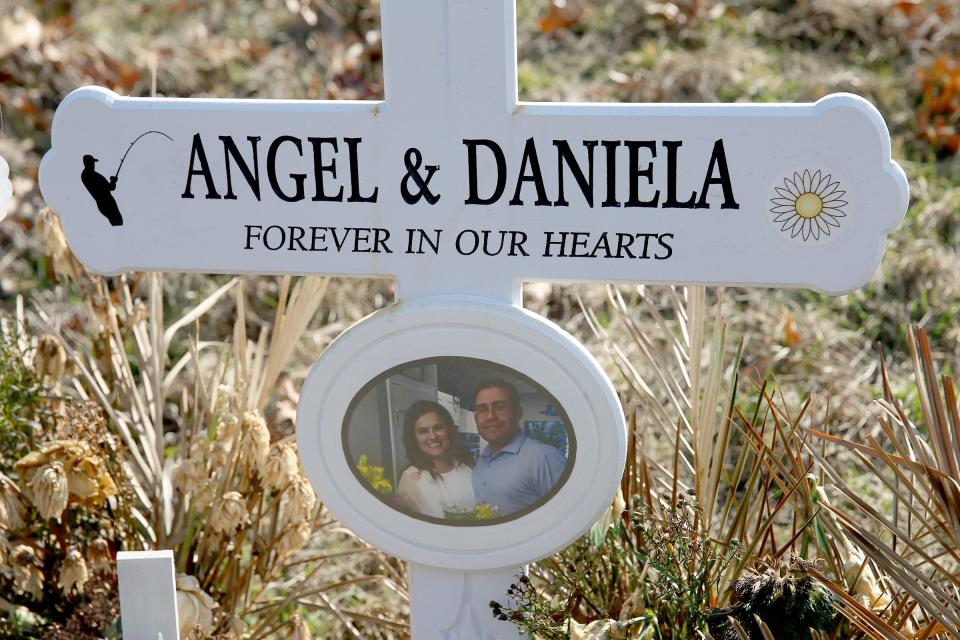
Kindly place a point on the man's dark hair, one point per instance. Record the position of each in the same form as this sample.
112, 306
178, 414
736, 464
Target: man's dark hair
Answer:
417, 457
498, 383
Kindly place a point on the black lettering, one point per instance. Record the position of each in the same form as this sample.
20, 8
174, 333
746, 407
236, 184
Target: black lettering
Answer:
580, 239
486, 243
359, 239
562, 242
422, 238
380, 237
718, 159
355, 196
318, 234
602, 244
474, 236
250, 237
671, 201
646, 244
338, 242
636, 172
611, 148
472, 171
666, 246
536, 177
298, 178
624, 240
266, 237
319, 169
296, 235
252, 177
565, 157
197, 154
517, 245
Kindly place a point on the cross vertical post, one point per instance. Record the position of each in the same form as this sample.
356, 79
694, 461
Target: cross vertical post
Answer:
462, 62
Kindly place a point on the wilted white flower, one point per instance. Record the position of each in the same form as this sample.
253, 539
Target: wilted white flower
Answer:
49, 491
254, 441
228, 427
596, 630
11, 509
73, 573
65, 265
611, 515
189, 475
224, 398
27, 578
194, 606
297, 502
605, 630
229, 513
219, 450
281, 467
87, 478
201, 498
99, 555
293, 540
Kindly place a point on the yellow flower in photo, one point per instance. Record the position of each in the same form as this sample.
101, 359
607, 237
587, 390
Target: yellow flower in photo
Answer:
809, 205
485, 511
374, 476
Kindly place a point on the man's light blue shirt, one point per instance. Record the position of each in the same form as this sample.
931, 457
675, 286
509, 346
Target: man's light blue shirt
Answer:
517, 475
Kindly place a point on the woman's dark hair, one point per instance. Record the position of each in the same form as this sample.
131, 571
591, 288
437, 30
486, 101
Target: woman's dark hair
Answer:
417, 457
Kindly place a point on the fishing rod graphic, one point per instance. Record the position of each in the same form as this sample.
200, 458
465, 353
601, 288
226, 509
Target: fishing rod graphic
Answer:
135, 141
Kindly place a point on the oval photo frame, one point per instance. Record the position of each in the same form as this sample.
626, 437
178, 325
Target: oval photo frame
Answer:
470, 329
504, 444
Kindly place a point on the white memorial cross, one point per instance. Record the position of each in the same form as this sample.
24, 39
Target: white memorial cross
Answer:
782, 195
456, 188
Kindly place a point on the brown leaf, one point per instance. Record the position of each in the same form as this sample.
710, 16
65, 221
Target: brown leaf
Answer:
560, 15
791, 337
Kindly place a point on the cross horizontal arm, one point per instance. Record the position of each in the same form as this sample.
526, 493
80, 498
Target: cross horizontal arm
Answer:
792, 195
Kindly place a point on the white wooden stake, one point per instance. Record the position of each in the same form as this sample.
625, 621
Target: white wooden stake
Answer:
6, 188
148, 595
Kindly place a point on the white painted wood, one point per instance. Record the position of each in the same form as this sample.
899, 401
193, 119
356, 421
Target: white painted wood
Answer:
148, 595
453, 605
472, 328
6, 187
450, 72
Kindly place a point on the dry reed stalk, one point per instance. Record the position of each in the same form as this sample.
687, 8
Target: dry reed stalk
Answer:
685, 379
127, 371
915, 544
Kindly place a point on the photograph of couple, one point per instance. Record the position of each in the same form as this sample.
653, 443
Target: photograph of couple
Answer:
459, 439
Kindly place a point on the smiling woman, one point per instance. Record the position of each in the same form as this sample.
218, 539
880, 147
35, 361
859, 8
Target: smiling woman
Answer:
459, 441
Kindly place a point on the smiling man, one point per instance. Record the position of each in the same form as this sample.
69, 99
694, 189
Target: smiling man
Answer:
513, 470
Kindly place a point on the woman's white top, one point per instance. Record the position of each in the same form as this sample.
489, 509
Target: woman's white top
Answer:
430, 495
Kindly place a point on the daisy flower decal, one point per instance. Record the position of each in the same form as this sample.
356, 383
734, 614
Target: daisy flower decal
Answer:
809, 205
